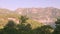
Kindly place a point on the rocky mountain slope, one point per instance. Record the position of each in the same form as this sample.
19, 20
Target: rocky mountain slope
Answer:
38, 12
45, 15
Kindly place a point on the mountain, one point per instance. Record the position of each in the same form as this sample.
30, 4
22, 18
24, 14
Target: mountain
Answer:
6, 15
49, 11
45, 15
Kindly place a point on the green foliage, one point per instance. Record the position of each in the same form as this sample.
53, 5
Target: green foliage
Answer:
46, 29
34, 24
57, 29
10, 23
9, 28
27, 26
4, 18
23, 19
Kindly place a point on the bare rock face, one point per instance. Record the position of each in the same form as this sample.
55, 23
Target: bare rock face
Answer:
45, 15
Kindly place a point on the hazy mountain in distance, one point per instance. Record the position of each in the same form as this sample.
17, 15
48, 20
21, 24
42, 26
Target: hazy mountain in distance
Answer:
5, 11
45, 15
38, 12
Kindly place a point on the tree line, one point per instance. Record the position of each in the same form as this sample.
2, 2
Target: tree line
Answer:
12, 28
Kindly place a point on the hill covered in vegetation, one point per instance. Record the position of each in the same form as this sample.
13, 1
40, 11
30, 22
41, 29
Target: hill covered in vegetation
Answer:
29, 21
46, 16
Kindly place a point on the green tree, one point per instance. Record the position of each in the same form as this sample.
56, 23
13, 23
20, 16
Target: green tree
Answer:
57, 29
23, 19
46, 29
22, 28
10, 28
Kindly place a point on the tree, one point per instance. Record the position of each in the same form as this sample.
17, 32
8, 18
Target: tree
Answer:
57, 29
10, 28
23, 19
46, 29
10, 24
22, 28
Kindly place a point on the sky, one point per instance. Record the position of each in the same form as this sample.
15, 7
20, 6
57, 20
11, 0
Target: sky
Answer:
14, 4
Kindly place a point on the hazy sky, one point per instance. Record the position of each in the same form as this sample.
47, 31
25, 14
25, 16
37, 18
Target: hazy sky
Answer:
14, 4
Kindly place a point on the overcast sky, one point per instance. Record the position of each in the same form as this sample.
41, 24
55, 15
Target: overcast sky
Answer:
14, 4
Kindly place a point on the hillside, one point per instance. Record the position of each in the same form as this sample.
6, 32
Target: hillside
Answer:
46, 16
39, 12
5, 14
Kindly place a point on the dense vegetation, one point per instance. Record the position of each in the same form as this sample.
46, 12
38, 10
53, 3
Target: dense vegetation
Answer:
26, 26
57, 29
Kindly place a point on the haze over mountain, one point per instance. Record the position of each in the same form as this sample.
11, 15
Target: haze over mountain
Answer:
39, 12
45, 15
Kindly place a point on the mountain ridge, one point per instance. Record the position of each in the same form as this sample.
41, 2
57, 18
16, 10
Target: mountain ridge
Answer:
47, 15
39, 14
